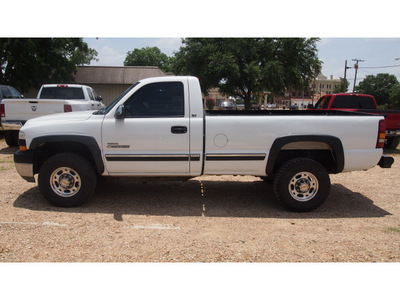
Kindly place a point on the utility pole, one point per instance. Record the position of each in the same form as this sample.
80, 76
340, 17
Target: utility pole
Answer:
345, 72
356, 67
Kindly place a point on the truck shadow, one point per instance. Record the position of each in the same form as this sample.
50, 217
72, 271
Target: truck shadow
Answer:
203, 198
8, 150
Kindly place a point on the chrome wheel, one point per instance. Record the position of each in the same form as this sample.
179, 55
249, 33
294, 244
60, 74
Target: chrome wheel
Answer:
303, 186
65, 182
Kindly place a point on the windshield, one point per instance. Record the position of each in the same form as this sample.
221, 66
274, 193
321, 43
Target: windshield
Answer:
105, 110
319, 103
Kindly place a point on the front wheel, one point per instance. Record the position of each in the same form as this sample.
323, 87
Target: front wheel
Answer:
302, 184
67, 179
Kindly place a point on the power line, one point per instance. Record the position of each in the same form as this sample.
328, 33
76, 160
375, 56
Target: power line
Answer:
381, 67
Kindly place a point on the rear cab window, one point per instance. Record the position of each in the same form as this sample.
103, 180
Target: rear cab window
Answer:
63, 92
354, 101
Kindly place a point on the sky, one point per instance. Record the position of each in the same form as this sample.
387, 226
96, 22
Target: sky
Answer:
378, 55
348, 30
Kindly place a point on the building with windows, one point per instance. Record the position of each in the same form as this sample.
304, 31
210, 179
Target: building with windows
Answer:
321, 86
324, 85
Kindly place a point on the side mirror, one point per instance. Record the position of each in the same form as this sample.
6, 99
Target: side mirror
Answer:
99, 98
120, 112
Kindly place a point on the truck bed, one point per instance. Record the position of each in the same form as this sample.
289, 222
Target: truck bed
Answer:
287, 113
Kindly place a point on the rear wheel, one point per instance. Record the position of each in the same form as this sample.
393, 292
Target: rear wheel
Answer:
392, 143
67, 179
302, 184
11, 137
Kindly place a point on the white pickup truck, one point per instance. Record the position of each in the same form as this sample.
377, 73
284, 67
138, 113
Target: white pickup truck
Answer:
51, 98
158, 128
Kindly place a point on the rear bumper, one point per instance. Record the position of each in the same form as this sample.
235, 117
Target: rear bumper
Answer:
24, 164
386, 161
392, 133
12, 125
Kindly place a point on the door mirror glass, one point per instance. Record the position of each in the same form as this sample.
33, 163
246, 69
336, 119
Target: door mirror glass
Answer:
120, 112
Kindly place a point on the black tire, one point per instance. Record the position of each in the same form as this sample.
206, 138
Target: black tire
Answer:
267, 179
392, 143
11, 137
302, 184
67, 180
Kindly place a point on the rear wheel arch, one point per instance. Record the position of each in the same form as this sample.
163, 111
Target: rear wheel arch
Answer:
326, 149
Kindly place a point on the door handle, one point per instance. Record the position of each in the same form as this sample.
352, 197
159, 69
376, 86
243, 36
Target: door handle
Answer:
178, 129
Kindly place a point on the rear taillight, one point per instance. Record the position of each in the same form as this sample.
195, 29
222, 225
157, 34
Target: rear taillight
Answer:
381, 134
2, 111
67, 108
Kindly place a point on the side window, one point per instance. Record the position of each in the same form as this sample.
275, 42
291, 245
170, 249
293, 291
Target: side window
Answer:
89, 91
162, 99
326, 103
6, 93
94, 94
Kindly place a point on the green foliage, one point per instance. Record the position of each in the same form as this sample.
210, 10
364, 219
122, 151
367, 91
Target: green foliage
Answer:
148, 56
243, 67
379, 86
395, 96
342, 88
31, 62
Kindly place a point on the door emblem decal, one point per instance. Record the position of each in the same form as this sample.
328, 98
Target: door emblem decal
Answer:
116, 145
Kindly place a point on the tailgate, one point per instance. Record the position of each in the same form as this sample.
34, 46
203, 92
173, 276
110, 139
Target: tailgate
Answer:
393, 120
26, 109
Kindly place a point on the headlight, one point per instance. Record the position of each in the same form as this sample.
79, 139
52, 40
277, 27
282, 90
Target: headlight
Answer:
21, 135
21, 141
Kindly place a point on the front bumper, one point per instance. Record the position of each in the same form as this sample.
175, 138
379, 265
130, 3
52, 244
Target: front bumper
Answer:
24, 164
386, 161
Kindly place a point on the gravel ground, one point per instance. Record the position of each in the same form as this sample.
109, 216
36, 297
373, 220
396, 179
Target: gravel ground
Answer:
206, 219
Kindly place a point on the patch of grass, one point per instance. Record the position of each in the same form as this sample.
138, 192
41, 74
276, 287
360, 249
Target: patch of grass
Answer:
393, 229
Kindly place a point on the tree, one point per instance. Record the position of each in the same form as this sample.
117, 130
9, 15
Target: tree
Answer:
244, 67
378, 86
342, 88
31, 62
395, 97
148, 57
